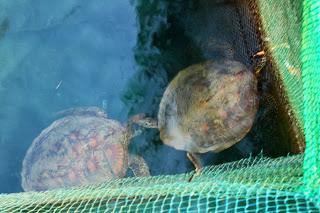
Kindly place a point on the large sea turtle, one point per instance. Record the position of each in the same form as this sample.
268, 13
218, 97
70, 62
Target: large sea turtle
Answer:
80, 148
207, 107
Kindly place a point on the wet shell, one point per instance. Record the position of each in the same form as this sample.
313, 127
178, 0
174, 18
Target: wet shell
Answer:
208, 106
77, 149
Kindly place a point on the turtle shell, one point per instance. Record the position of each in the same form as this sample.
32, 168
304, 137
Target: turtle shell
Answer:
78, 149
208, 106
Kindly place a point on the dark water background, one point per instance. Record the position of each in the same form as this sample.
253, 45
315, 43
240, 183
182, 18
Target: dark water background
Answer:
117, 55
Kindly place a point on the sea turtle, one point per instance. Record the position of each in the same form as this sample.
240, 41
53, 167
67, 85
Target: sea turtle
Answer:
80, 148
208, 106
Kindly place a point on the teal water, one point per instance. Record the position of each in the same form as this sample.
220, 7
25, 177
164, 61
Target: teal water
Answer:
117, 55
56, 55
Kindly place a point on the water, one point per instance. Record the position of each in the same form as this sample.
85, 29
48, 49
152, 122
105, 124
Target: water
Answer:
55, 56
117, 55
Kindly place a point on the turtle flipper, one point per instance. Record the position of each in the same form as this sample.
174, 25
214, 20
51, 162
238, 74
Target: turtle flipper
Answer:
138, 166
260, 61
194, 158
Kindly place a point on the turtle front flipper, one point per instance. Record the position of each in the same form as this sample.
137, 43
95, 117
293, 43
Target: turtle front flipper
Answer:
195, 159
138, 166
260, 61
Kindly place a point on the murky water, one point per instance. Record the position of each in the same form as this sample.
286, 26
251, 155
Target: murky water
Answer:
117, 55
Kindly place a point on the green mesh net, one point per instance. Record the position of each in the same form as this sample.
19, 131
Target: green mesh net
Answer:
251, 185
282, 37
289, 31
310, 57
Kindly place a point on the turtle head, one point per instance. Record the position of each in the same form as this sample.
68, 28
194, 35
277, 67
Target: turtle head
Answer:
137, 121
143, 121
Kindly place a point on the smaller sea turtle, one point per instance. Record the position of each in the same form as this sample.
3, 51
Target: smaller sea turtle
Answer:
81, 148
207, 107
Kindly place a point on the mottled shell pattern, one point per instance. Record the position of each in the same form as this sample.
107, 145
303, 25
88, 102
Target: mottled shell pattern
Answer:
77, 149
208, 106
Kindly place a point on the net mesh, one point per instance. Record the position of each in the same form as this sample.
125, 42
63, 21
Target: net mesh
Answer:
289, 32
282, 38
310, 57
251, 185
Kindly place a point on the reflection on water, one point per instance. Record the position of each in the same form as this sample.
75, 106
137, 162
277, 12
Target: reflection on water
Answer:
117, 55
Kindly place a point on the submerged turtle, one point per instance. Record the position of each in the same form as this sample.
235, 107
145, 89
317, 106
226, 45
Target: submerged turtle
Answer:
207, 107
80, 148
